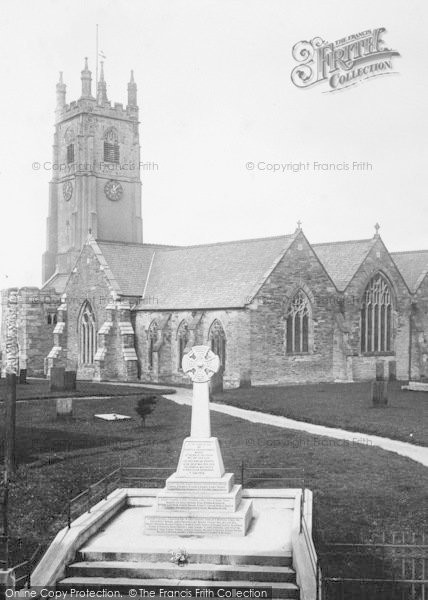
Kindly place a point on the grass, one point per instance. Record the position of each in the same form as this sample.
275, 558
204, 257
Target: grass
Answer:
347, 406
357, 489
36, 389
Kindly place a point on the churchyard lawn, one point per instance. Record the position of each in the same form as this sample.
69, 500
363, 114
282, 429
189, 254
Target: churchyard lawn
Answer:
346, 406
358, 489
39, 388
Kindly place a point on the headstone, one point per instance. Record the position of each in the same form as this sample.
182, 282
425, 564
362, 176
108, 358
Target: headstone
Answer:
70, 381
392, 368
380, 370
379, 393
57, 379
245, 380
64, 408
22, 375
200, 498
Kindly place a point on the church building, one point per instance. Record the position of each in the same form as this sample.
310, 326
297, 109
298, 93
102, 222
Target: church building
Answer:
276, 310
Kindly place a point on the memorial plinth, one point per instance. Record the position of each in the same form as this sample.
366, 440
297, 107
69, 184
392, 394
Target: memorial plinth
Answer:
200, 498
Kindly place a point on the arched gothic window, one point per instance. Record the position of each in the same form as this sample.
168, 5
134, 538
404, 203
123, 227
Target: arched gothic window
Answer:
376, 316
217, 340
111, 146
297, 324
87, 335
152, 339
182, 341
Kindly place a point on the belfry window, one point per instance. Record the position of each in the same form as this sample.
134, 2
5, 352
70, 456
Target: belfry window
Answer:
376, 316
182, 341
87, 335
111, 146
297, 324
70, 154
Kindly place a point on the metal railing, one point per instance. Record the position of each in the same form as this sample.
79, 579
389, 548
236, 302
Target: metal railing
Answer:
393, 569
131, 476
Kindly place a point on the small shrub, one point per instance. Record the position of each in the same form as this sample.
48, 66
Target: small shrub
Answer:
145, 407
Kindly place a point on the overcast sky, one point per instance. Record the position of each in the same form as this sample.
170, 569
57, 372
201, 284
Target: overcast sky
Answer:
215, 92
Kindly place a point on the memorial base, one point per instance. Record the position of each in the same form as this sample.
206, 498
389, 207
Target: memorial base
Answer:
194, 523
200, 499
201, 502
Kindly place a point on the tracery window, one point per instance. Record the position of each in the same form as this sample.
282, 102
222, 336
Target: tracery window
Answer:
152, 339
376, 316
87, 335
182, 341
217, 338
297, 324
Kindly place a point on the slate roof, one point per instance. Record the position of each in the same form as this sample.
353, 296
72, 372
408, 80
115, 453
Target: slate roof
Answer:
413, 266
130, 263
213, 275
220, 275
342, 259
57, 281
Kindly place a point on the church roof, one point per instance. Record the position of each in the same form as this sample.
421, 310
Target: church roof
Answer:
342, 259
57, 281
413, 266
213, 275
221, 275
130, 263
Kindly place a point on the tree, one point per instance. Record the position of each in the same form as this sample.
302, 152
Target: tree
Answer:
145, 407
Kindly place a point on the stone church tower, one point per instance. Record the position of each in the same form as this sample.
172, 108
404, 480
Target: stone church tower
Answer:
96, 187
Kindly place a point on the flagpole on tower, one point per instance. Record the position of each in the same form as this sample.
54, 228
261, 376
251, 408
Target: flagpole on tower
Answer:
96, 58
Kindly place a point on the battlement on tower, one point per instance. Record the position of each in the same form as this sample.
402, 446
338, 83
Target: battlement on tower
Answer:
86, 105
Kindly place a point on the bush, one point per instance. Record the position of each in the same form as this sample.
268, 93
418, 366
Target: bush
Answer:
145, 407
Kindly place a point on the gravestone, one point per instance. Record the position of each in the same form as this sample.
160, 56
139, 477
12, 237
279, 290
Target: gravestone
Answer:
22, 375
380, 370
200, 498
70, 381
392, 369
64, 408
57, 379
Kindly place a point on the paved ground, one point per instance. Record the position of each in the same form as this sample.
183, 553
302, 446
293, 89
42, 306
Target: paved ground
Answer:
416, 453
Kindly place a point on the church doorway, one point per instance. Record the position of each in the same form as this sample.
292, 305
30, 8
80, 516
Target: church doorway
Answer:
217, 341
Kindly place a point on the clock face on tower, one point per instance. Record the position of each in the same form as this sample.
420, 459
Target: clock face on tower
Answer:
67, 190
113, 190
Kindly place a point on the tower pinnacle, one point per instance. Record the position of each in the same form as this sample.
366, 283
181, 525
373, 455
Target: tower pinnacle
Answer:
86, 77
60, 93
132, 91
102, 88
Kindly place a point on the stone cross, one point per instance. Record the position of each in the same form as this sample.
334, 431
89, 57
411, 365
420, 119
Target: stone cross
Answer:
200, 364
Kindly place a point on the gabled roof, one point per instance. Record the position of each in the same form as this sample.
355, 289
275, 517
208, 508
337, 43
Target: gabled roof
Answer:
413, 266
214, 275
130, 263
342, 259
57, 281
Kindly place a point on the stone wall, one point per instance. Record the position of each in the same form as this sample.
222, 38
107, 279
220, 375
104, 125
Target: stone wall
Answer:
419, 363
36, 320
115, 358
270, 364
364, 366
166, 366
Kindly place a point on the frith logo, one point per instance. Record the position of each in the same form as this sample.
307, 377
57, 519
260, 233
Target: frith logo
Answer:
343, 63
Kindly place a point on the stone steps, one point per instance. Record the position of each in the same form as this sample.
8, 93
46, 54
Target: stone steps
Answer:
169, 570
123, 585
265, 559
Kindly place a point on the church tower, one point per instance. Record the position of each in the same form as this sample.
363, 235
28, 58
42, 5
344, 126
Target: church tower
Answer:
96, 187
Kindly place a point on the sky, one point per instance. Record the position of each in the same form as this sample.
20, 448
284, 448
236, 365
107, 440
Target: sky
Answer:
215, 93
